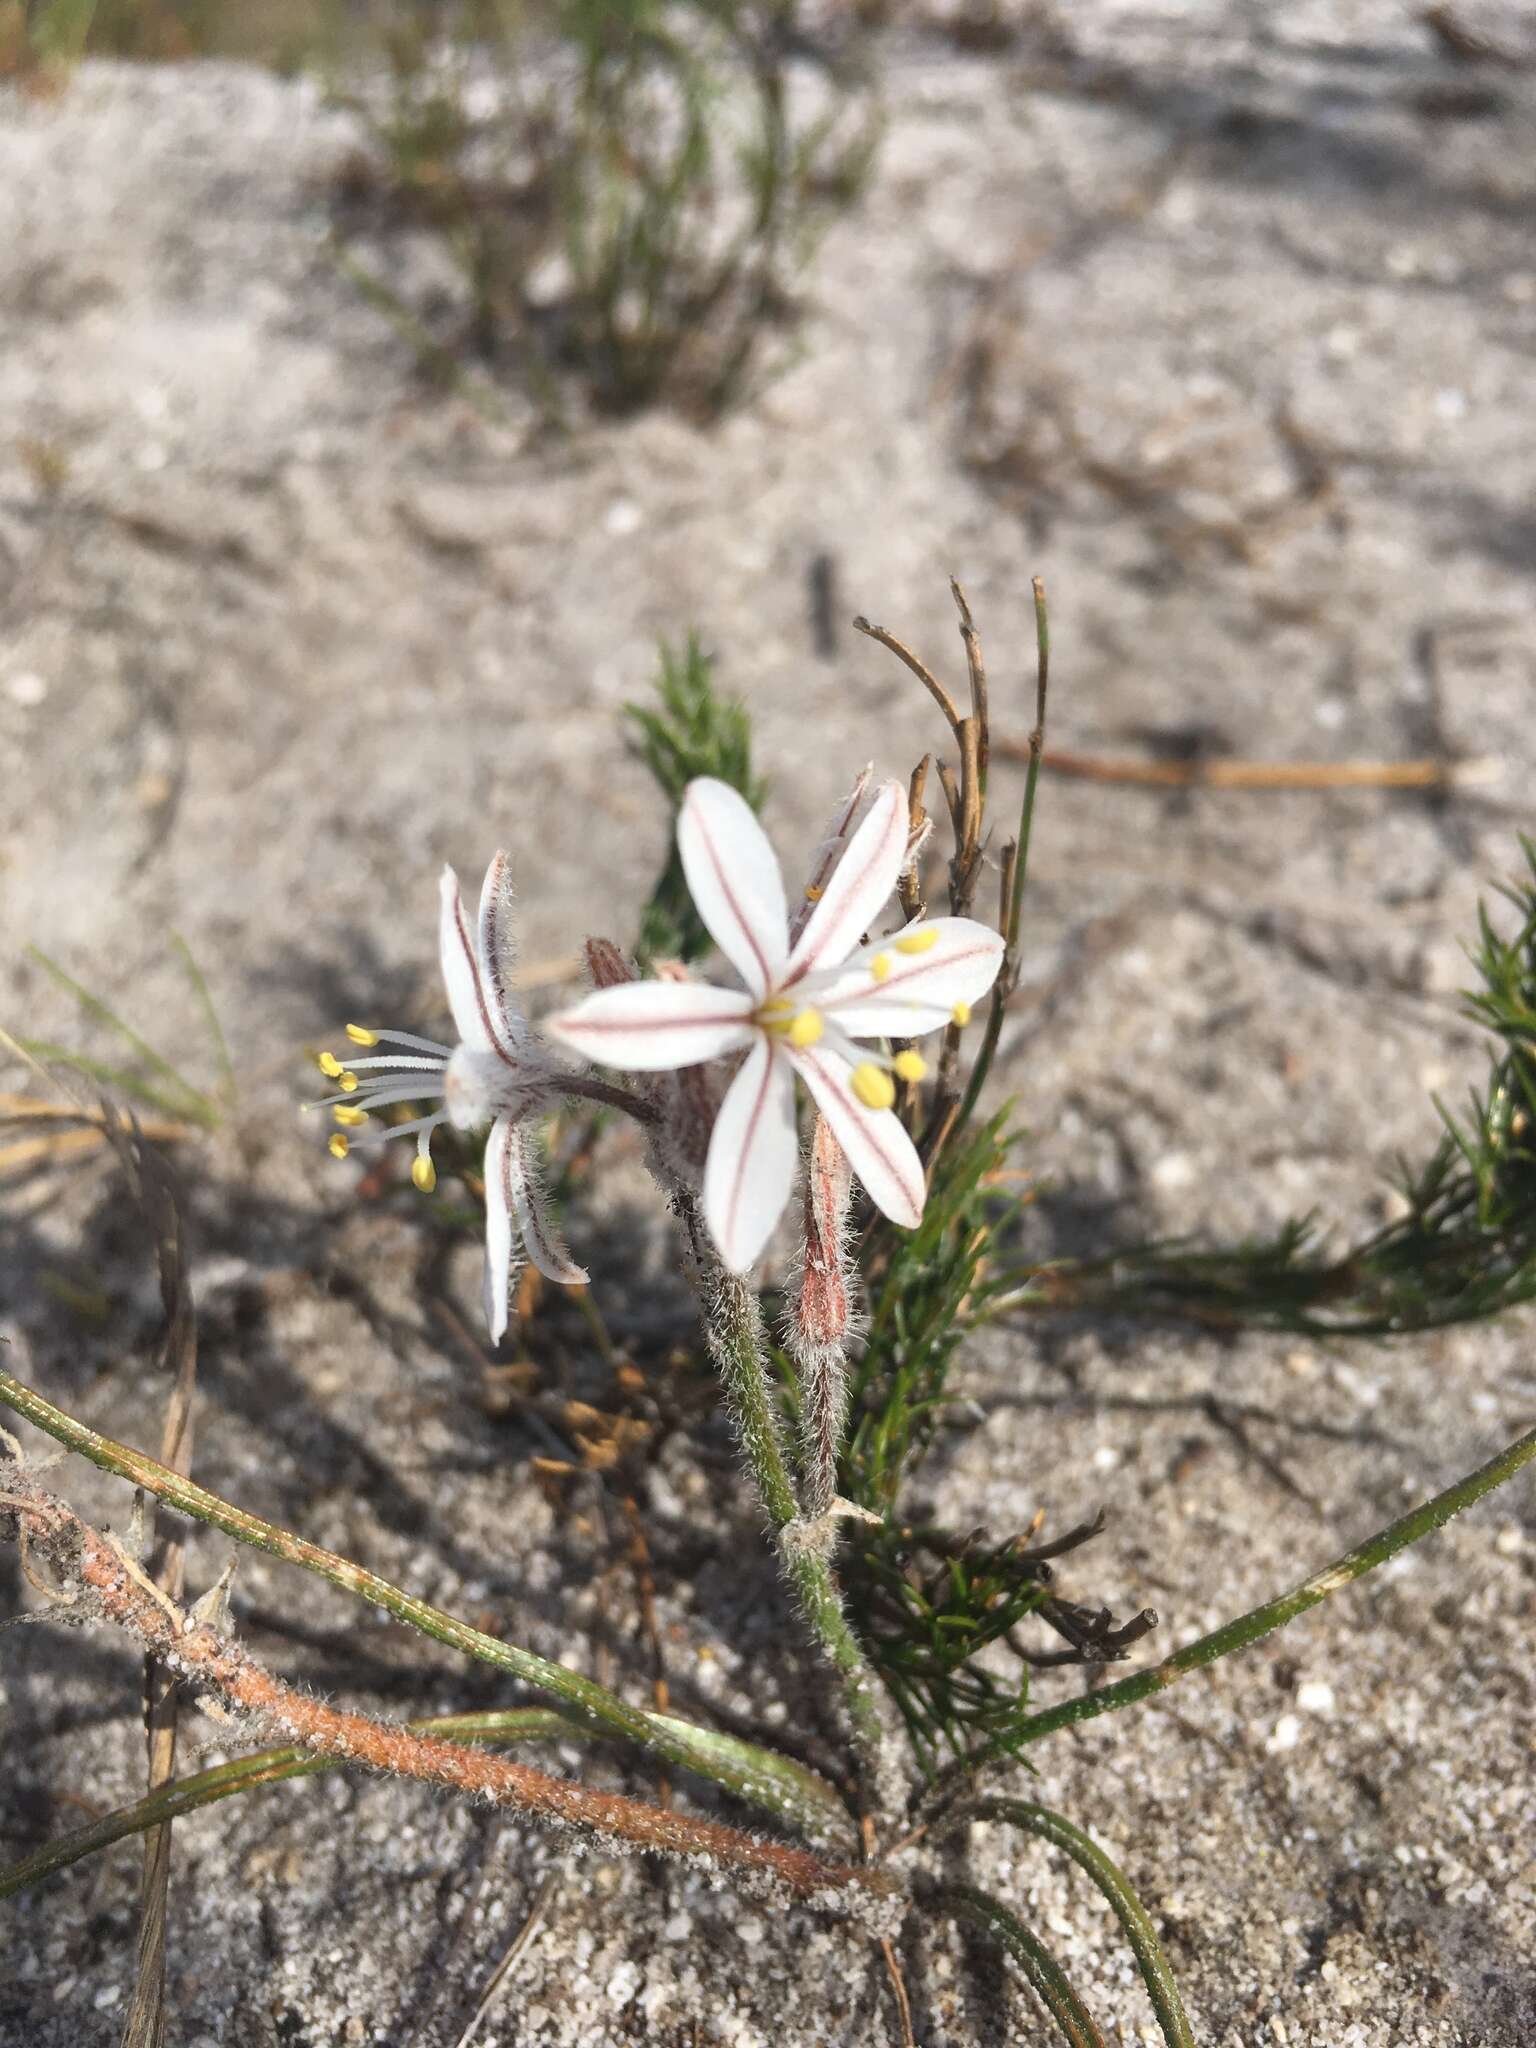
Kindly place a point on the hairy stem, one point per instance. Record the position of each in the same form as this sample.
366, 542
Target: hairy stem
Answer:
96, 1573
779, 1786
181, 1796
733, 1326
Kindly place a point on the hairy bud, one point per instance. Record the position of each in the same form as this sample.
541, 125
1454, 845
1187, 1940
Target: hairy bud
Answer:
822, 1317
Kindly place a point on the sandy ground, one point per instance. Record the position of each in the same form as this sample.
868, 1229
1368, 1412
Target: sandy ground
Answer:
1225, 326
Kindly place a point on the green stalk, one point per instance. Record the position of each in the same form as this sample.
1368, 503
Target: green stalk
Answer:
1046, 1977
1261, 1621
733, 1325
1008, 973
775, 1783
1110, 1879
265, 1767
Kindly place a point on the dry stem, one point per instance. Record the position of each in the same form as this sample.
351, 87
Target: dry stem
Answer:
90, 1566
1235, 774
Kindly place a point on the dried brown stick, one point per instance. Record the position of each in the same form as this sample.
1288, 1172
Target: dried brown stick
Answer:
149, 1182
1235, 774
97, 1576
899, 1990
976, 669
925, 676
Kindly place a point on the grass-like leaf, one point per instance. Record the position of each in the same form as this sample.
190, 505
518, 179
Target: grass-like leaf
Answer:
1041, 1971
1251, 1627
149, 1077
1133, 1916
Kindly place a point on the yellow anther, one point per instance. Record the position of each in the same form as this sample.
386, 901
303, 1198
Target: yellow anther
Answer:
880, 966
346, 1081
806, 1029
361, 1035
961, 1013
776, 1015
329, 1065
812, 893
424, 1173
348, 1117
919, 941
911, 1066
873, 1086
338, 1147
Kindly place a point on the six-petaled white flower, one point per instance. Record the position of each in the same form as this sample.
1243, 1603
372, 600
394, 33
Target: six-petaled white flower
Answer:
497, 1074
806, 1002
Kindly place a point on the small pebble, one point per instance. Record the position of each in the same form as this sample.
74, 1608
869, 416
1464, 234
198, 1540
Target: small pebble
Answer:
1287, 1733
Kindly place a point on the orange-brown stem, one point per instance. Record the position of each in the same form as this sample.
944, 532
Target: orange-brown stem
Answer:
122, 1594
1234, 774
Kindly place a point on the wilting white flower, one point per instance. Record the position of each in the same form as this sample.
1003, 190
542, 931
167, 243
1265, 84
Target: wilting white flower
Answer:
497, 1074
807, 1000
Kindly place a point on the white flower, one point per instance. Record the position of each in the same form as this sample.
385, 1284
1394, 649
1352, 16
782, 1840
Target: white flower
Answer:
496, 1074
806, 1001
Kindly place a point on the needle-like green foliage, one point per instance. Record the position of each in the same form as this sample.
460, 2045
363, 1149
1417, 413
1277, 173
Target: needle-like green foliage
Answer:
929, 1603
693, 731
1463, 1249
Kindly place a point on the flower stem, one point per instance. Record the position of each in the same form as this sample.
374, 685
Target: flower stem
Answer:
733, 1326
1260, 1621
1008, 974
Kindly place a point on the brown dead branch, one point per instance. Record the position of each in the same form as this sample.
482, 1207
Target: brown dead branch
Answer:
1259, 775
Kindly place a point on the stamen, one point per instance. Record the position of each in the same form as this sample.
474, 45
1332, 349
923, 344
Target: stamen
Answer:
812, 893
348, 1116
361, 1035
806, 1029
398, 1062
387, 1089
961, 1014
346, 1081
918, 941
416, 1044
880, 966
329, 1065
911, 1066
775, 1015
338, 1147
873, 1086
424, 1173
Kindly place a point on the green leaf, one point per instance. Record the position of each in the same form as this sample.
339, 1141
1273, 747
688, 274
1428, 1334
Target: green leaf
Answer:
1044, 1975
1112, 1882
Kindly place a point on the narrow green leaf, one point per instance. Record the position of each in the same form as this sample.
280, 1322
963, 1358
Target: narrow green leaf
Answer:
1260, 1621
1042, 1972
1112, 1882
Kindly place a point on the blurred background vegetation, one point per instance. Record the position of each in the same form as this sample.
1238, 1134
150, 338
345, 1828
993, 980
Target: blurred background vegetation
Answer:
627, 190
